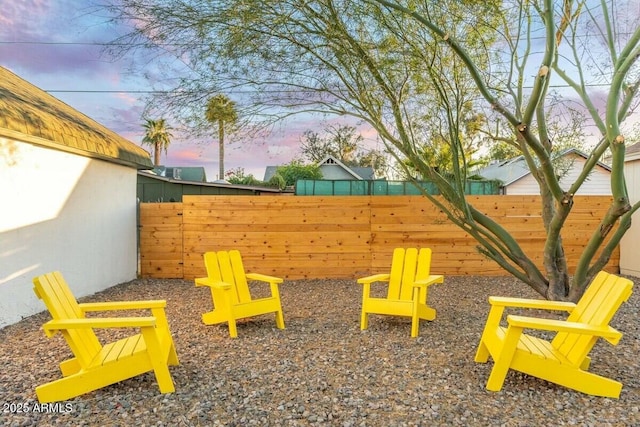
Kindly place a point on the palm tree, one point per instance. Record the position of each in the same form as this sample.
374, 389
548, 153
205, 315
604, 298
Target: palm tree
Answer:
158, 136
221, 111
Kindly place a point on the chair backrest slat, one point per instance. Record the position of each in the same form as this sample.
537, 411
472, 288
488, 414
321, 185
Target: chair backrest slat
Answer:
395, 279
598, 305
227, 266
409, 273
53, 290
407, 266
424, 264
211, 264
242, 288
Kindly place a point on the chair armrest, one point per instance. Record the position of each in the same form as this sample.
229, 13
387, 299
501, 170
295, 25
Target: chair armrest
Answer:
122, 305
53, 326
532, 303
205, 281
263, 278
375, 278
607, 332
423, 283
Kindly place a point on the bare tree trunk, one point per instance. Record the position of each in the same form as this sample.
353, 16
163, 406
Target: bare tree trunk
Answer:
221, 150
156, 154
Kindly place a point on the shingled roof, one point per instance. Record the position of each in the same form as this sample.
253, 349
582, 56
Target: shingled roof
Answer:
27, 113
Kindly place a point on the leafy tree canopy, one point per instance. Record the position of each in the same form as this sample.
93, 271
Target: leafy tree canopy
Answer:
420, 73
221, 112
157, 134
296, 170
342, 142
238, 176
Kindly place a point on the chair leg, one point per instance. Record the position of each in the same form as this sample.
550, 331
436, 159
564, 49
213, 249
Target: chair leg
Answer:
173, 356
364, 316
233, 329
503, 362
492, 323
415, 325
415, 319
482, 354
160, 366
279, 319
69, 367
364, 320
163, 377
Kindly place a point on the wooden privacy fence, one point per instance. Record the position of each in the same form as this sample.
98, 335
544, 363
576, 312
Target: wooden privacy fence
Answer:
342, 236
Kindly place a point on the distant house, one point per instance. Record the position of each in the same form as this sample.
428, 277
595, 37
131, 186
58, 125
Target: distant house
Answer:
69, 198
516, 178
184, 173
333, 169
632, 152
630, 243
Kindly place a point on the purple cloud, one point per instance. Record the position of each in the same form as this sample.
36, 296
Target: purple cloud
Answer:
14, 26
44, 37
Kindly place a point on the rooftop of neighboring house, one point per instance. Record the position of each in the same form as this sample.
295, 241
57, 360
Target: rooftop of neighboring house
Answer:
200, 187
29, 114
328, 166
184, 173
511, 170
633, 152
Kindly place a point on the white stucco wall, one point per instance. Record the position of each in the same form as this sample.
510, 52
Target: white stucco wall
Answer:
597, 184
65, 212
630, 243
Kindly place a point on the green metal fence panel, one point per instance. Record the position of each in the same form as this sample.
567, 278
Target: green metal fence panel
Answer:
341, 188
306, 187
399, 188
379, 188
483, 187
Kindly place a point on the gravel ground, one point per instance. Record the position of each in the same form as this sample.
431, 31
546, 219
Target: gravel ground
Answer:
321, 370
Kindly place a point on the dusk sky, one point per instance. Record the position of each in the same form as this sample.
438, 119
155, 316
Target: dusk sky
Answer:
57, 45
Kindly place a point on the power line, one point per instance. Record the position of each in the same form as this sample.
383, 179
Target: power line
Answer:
112, 43
59, 43
157, 92
106, 91
115, 44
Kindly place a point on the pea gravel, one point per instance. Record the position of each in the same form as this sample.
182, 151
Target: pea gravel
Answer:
320, 370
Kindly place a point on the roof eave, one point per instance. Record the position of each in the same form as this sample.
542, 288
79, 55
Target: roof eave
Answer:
211, 184
139, 163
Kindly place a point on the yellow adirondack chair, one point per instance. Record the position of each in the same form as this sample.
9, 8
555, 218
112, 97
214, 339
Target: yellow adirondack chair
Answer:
408, 281
230, 291
95, 366
564, 360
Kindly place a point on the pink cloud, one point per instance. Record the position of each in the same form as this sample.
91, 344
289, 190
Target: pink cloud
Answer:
186, 155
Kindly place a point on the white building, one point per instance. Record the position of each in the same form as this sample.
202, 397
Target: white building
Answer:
517, 179
630, 243
68, 195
